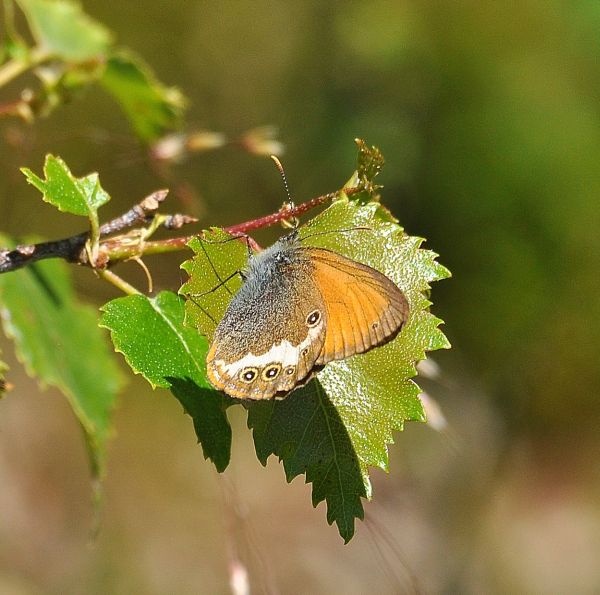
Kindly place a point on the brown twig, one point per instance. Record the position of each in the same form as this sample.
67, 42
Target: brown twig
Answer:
123, 247
73, 249
137, 214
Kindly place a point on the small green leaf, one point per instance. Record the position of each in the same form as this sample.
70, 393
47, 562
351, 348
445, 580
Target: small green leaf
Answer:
152, 108
58, 341
62, 30
79, 196
369, 161
207, 408
307, 433
149, 332
368, 165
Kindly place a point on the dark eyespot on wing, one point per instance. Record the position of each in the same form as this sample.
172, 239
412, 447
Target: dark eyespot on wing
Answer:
270, 372
248, 374
313, 318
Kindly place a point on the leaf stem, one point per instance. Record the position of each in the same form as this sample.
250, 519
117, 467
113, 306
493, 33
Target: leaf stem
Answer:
15, 67
118, 282
12, 69
93, 244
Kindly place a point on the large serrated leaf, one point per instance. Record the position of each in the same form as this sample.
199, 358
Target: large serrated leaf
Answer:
149, 332
62, 30
371, 394
58, 341
78, 196
152, 108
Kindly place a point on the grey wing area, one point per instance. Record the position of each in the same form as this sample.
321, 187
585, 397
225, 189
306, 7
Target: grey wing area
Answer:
264, 345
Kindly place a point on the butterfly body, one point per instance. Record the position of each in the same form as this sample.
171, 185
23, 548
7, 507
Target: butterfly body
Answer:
299, 308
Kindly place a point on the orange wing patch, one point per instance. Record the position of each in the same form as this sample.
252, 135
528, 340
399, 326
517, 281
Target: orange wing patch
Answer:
364, 308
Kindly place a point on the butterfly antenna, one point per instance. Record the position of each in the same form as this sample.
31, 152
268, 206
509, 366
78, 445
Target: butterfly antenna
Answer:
293, 222
279, 166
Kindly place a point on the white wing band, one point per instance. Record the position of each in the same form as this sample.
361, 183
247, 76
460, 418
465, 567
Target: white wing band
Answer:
283, 353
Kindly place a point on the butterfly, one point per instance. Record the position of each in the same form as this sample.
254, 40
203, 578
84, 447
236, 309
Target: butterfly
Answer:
299, 308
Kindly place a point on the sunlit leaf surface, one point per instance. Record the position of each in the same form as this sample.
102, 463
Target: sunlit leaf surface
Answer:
78, 196
63, 30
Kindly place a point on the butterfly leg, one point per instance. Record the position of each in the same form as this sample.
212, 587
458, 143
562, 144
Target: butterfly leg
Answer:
222, 282
251, 243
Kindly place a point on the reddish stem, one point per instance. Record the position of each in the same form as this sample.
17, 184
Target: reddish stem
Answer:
281, 215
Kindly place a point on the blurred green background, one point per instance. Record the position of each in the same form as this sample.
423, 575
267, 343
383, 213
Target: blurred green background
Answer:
488, 115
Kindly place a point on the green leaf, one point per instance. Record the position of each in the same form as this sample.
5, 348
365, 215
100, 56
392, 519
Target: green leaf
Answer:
62, 30
150, 333
307, 433
369, 161
152, 108
58, 341
341, 424
173, 350
79, 196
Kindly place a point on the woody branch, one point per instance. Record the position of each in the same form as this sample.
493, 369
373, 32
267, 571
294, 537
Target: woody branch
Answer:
117, 248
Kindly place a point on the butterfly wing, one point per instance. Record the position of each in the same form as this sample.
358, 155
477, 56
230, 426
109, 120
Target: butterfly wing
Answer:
272, 333
364, 308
